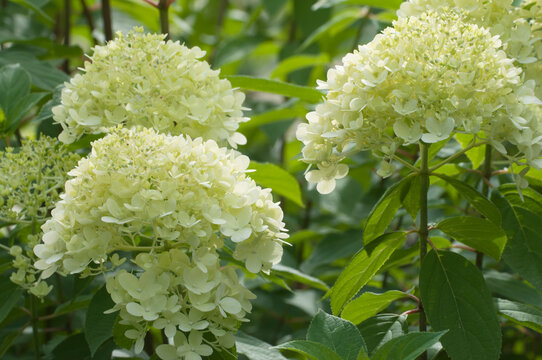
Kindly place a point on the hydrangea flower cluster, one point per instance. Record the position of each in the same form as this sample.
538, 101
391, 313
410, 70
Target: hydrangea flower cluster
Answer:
519, 27
425, 78
198, 304
31, 178
176, 199
139, 79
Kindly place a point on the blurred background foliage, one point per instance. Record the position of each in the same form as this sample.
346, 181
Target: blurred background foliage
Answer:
294, 41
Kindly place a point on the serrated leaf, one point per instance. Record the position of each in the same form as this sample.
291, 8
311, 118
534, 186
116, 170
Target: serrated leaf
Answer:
311, 349
296, 275
339, 335
509, 286
522, 222
278, 179
407, 347
384, 211
475, 199
305, 93
369, 304
380, 329
525, 315
456, 298
255, 349
99, 326
9, 296
479, 233
362, 268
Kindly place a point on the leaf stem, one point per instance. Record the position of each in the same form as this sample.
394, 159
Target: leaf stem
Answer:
473, 144
406, 163
485, 191
423, 231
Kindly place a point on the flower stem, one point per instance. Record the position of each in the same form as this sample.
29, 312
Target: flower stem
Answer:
485, 191
423, 229
34, 321
457, 154
106, 15
163, 7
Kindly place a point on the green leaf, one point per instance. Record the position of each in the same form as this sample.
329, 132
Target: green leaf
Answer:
407, 347
362, 268
476, 155
306, 93
410, 196
380, 329
297, 62
384, 211
296, 275
479, 233
332, 247
278, 179
274, 115
522, 222
255, 349
512, 288
9, 296
525, 315
339, 335
369, 304
456, 298
73, 347
7, 340
99, 326
118, 335
477, 200
311, 349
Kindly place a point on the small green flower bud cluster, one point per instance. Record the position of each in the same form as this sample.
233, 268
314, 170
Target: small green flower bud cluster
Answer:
425, 78
26, 276
139, 79
31, 178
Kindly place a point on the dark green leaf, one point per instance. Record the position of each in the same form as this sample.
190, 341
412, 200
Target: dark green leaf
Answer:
522, 221
311, 349
118, 335
99, 326
456, 298
477, 200
339, 335
9, 296
278, 179
380, 329
410, 196
512, 288
362, 268
255, 349
479, 233
522, 314
407, 347
369, 304
73, 347
276, 87
384, 211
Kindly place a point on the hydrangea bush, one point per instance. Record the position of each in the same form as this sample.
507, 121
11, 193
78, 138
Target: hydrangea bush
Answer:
140, 79
426, 78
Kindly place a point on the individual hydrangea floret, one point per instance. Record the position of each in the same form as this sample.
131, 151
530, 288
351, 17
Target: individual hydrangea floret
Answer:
161, 191
31, 178
519, 27
423, 79
140, 79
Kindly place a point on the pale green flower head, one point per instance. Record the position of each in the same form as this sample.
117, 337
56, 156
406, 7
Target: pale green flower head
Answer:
425, 78
140, 79
164, 190
32, 177
519, 27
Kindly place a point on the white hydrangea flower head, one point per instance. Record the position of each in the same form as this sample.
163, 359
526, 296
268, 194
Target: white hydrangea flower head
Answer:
162, 298
519, 27
163, 191
140, 79
425, 78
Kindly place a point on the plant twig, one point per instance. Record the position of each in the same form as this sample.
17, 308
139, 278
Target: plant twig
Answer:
423, 231
106, 15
